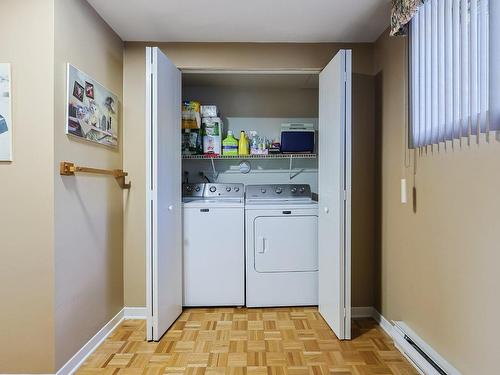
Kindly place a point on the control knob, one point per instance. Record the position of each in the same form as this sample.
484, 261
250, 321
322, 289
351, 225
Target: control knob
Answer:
278, 190
212, 189
228, 189
294, 190
236, 189
263, 191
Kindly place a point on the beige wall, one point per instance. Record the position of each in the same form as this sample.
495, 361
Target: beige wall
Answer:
257, 101
261, 56
61, 268
134, 162
88, 209
243, 56
438, 265
26, 199
363, 190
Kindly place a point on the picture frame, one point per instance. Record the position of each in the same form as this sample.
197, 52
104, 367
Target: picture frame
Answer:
89, 90
78, 91
92, 110
5, 112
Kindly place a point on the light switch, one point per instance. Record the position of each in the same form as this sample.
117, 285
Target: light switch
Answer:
404, 198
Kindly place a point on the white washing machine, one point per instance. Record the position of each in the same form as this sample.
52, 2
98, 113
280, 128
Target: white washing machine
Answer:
281, 246
213, 244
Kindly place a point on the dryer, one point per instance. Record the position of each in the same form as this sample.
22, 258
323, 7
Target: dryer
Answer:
281, 245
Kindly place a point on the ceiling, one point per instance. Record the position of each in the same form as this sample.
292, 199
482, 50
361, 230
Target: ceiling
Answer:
246, 20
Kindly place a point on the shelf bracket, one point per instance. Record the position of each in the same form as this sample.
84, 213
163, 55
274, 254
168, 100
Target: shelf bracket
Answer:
215, 173
290, 174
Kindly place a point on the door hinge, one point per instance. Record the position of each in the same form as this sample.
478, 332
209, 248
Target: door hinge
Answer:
345, 195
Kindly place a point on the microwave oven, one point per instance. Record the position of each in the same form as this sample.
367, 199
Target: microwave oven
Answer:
297, 138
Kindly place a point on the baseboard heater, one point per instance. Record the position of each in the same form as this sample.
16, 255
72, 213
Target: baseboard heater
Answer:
426, 359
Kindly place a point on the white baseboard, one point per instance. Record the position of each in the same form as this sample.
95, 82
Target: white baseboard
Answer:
134, 313
399, 331
76, 361
395, 332
383, 322
371, 312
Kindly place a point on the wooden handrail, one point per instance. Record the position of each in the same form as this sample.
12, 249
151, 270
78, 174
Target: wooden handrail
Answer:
67, 168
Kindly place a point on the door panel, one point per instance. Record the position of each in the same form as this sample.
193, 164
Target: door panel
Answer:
334, 194
214, 259
286, 243
164, 227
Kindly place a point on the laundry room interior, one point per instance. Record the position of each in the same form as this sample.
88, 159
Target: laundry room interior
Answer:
236, 191
260, 99
259, 104
262, 96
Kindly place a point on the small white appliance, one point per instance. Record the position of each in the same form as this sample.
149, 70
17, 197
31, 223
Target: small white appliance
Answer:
297, 138
213, 244
281, 246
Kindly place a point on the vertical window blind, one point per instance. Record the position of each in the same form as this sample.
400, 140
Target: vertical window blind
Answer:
449, 71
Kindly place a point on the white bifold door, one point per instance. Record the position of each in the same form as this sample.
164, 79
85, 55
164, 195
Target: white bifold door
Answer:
163, 200
163, 194
334, 224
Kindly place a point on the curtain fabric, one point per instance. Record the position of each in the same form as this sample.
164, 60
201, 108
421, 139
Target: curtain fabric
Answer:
401, 14
494, 105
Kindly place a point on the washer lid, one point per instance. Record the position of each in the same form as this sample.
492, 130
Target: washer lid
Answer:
280, 205
213, 203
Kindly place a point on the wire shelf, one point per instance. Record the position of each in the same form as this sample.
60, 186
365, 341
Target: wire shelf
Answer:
245, 157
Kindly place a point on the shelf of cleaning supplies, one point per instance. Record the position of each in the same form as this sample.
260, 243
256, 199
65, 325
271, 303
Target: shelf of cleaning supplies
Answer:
244, 157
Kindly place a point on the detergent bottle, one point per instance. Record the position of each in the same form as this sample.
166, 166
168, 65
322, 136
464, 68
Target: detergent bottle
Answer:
230, 145
243, 144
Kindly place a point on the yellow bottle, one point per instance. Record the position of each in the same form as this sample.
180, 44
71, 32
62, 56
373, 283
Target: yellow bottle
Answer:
243, 144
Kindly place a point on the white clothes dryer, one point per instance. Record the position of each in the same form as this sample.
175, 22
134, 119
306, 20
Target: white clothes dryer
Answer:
281, 225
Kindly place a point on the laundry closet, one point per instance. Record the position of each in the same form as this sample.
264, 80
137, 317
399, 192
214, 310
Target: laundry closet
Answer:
261, 230
270, 253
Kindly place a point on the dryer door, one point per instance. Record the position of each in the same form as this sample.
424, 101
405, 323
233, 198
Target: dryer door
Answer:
286, 243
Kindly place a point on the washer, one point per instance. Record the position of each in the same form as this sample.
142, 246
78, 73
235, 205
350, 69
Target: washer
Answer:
213, 244
281, 246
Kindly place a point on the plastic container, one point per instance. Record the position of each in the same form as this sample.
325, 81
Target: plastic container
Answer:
191, 118
212, 139
230, 145
243, 144
208, 111
191, 142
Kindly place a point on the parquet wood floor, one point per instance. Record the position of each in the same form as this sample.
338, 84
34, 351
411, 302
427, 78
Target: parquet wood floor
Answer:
230, 341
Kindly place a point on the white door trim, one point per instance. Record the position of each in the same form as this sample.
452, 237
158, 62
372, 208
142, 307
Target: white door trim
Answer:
334, 227
149, 195
163, 193
347, 193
